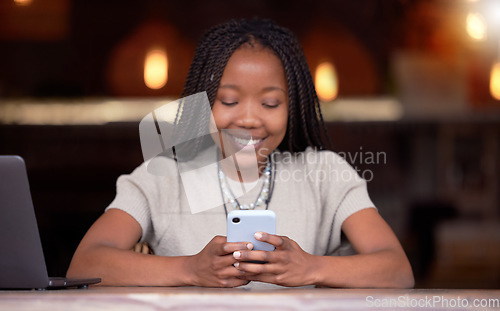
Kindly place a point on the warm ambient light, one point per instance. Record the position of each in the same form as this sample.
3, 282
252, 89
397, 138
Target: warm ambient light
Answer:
326, 82
495, 81
476, 26
22, 2
156, 69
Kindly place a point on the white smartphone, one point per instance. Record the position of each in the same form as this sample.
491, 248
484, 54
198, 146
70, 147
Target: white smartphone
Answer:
243, 224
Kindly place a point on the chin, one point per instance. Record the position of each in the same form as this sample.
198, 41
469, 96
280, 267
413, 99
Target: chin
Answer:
247, 161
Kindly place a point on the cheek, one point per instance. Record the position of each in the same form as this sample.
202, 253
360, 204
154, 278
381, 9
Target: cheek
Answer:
281, 123
220, 117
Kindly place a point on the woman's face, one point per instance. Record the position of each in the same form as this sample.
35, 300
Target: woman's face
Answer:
251, 105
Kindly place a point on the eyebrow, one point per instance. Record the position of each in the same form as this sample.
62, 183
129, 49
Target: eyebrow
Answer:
264, 90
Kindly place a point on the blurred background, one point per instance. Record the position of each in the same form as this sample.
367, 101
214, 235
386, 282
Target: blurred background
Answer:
410, 91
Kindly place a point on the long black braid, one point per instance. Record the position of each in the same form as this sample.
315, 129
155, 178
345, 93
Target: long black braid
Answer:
305, 121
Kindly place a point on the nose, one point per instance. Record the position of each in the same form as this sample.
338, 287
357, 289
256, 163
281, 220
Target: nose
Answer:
249, 115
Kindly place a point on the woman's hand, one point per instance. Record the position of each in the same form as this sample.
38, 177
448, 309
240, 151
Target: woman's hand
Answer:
213, 266
287, 265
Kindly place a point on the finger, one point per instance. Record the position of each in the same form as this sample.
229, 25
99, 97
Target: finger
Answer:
229, 272
245, 274
145, 249
276, 240
251, 269
225, 261
231, 247
234, 282
263, 277
221, 262
242, 255
137, 248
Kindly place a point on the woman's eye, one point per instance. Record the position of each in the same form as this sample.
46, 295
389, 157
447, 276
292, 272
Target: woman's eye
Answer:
271, 104
228, 103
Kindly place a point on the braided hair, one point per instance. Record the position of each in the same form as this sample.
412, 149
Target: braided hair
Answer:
305, 122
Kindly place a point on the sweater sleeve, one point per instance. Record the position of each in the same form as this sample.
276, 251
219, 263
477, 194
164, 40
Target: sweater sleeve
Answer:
343, 194
132, 198
355, 199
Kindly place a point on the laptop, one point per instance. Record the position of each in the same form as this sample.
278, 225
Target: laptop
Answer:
22, 263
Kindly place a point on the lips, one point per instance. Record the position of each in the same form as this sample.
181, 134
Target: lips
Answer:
247, 142
242, 140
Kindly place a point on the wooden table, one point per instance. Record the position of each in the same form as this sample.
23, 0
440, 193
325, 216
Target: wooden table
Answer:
163, 298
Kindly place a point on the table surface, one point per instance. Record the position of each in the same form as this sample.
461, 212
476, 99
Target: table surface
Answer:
192, 298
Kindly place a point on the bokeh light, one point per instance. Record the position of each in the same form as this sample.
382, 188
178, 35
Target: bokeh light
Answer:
476, 26
156, 69
495, 81
326, 82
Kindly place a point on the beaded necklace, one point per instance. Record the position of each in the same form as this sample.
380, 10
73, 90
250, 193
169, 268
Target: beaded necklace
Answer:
265, 192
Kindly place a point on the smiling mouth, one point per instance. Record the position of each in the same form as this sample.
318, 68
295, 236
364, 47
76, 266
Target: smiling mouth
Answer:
244, 140
247, 142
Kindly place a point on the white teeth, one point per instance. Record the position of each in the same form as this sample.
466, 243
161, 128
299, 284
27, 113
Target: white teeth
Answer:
247, 142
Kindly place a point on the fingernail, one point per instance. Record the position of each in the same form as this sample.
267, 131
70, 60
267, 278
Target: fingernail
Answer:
258, 235
250, 246
236, 265
236, 254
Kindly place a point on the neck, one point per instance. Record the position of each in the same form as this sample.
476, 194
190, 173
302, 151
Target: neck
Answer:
241, 174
